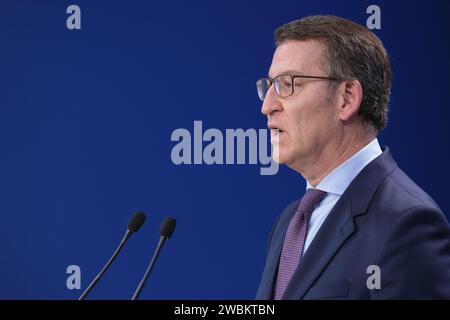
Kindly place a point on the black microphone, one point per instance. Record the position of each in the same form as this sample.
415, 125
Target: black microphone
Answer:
134, 225
165, 232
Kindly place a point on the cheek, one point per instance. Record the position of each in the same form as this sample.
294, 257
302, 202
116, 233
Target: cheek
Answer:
301, 124
310, 123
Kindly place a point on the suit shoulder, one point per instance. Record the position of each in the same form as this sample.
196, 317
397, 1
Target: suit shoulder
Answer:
399, 191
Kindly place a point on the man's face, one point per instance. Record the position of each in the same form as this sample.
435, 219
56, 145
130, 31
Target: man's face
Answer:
308, 120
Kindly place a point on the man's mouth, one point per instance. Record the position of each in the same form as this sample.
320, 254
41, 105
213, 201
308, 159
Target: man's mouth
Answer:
274, 127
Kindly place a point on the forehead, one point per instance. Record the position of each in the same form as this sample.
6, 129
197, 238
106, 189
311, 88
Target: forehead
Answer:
298, 56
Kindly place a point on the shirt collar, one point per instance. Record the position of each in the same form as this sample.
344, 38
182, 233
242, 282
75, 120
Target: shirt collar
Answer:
340, 178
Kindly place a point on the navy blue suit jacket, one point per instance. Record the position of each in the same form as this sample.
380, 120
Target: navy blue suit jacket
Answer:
383, 219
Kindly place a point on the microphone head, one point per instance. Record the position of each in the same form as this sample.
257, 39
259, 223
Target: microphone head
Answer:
136, 222
167, 227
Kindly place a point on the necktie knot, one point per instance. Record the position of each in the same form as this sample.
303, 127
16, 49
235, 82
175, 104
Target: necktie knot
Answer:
311, 199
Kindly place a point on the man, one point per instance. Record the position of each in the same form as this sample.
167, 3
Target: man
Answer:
363, 229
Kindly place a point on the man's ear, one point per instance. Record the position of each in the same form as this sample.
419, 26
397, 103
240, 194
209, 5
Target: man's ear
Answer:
351, 96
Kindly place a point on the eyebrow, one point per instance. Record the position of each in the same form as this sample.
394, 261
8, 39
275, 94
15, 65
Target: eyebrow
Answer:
288, 72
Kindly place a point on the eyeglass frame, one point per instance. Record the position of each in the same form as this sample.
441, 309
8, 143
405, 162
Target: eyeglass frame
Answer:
271, 81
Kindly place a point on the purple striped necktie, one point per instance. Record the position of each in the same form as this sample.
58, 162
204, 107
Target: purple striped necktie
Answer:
295, 240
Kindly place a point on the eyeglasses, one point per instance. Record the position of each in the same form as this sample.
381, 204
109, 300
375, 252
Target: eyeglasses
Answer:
284, 84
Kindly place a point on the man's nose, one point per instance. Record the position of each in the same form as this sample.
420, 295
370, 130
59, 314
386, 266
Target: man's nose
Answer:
271, 102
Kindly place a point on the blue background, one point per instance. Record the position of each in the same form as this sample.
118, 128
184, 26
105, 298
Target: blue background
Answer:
85, 124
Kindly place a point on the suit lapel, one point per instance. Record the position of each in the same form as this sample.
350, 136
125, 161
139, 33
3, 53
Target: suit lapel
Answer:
335, 230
